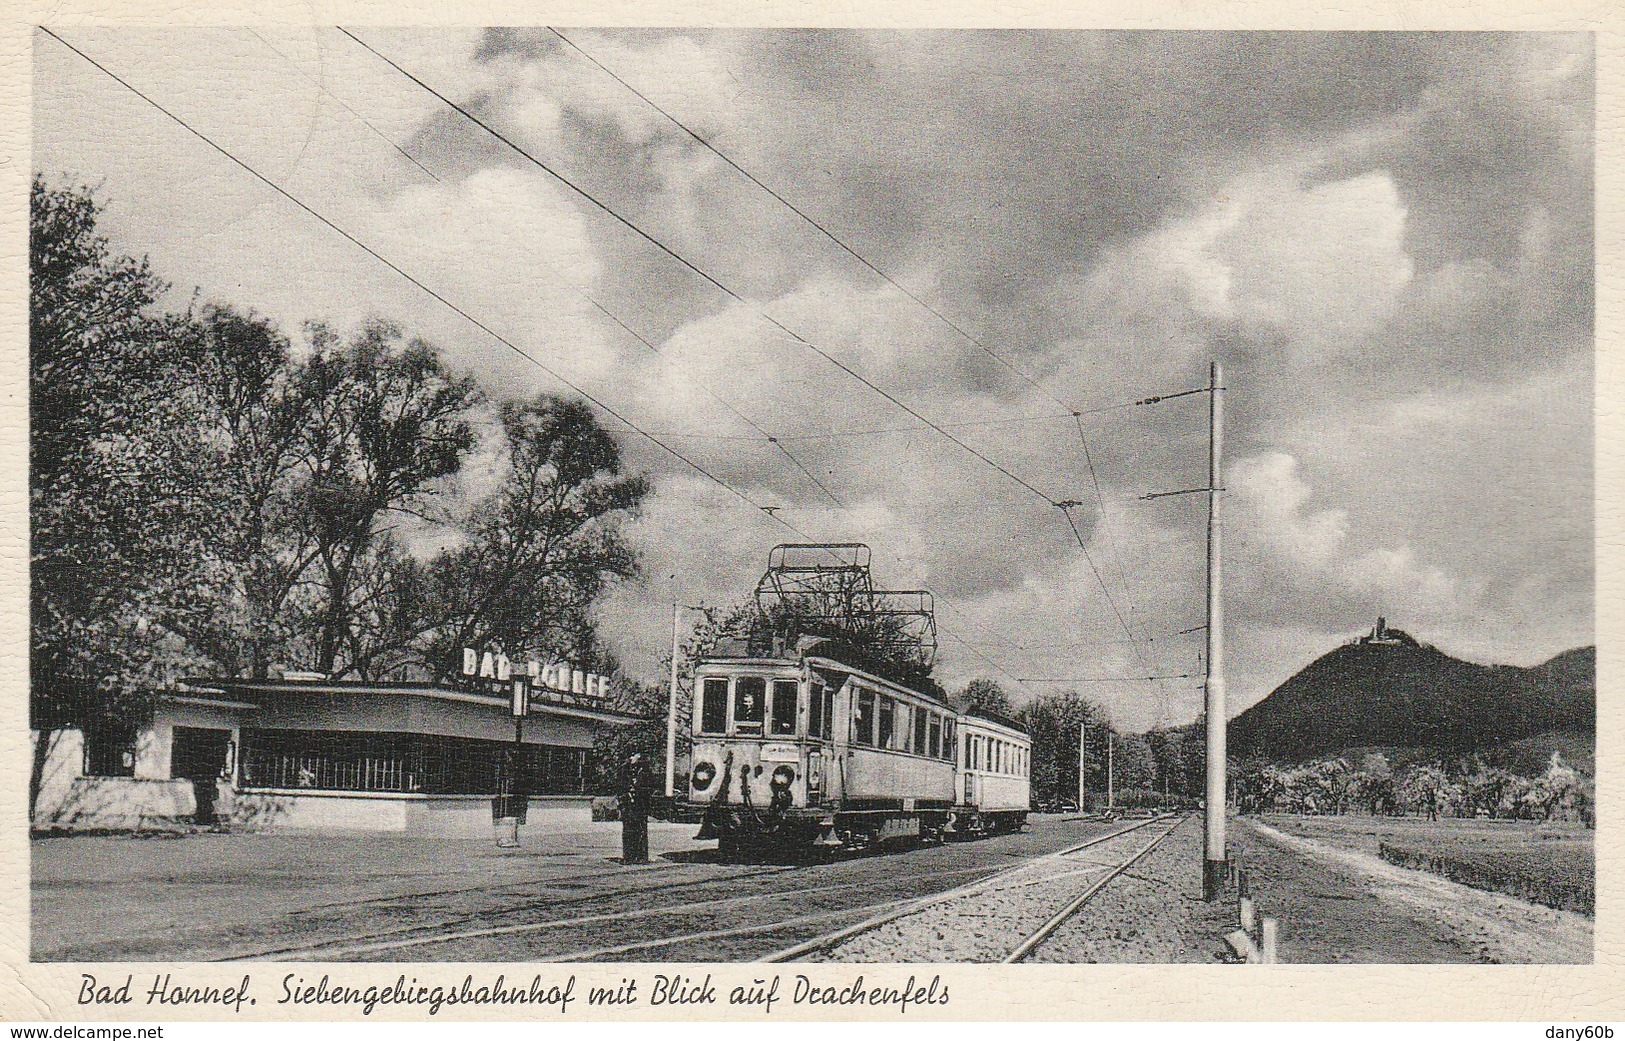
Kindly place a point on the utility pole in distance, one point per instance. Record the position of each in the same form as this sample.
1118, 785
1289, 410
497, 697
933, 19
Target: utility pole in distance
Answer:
1110, 800
671, 708
1214, 855
1083, 744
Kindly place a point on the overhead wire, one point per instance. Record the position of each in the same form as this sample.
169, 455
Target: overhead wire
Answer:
762, 434
475, 321
799, 212
1075, 414
322, 87
704, 275
741, 299
392, 266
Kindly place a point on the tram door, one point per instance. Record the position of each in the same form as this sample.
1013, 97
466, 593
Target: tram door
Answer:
199, 755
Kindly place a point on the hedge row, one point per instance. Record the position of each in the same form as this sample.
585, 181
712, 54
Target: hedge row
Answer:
1552, 874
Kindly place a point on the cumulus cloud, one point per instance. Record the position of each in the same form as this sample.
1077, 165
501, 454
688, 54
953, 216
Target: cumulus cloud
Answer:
1386, 238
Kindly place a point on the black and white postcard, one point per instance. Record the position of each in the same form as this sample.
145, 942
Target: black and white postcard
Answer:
645, 520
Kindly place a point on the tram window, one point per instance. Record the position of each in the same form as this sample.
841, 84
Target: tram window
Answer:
936, 736
922, 720
829, 714
950, 739
975, 752
714, 707
905, 730
815, 711
750, 704
888, 719
863, 719
784, 706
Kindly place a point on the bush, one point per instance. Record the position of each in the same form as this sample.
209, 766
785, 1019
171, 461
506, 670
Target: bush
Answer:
1556, 874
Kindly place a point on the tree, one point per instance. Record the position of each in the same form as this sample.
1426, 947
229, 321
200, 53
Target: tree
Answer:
543, 546
384, 421
117, 481
1053, 721
254, 423
1134, 766
1167, 747
985, 695
1425, 789
1555, 792
613, 746
1374, 785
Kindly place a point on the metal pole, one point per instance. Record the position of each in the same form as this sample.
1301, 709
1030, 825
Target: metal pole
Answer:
1110, 801
671, 711
1213, 845
1083, 743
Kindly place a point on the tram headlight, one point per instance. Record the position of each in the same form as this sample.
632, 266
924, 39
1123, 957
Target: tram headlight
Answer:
704, 774
783, 777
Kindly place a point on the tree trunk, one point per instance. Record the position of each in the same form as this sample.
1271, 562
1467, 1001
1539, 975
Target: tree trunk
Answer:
36, 775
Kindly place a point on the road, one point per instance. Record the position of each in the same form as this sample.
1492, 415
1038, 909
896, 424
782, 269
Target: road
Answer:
254, 897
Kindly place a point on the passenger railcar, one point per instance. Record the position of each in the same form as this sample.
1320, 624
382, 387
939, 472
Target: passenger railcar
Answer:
804, 749
995, 769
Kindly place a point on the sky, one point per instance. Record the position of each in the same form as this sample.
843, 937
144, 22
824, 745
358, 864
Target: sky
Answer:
1004, 240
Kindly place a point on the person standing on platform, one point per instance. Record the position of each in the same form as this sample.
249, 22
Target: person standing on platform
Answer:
637, 786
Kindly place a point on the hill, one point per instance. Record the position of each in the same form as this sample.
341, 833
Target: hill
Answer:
1398, 692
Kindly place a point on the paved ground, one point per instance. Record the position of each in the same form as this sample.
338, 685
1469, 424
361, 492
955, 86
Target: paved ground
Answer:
211, 896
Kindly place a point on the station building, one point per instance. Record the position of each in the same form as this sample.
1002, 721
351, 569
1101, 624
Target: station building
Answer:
303, 752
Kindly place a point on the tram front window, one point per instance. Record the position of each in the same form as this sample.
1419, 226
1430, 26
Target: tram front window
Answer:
714, 707
815, 711
750, 704
784, 706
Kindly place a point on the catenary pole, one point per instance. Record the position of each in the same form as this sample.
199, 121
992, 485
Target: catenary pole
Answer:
1213, 845
1083, 743
1110, 799
671, 709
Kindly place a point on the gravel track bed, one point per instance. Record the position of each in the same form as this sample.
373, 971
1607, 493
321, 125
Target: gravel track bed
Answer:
1151, 913
987, 923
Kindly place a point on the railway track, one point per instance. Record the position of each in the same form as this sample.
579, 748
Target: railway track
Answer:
1010, 879
610, 932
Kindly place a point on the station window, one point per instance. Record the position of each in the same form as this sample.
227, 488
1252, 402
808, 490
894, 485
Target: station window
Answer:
714, 707
863, 718
750, 704
815, 711
110, 751
888, 721
785, 695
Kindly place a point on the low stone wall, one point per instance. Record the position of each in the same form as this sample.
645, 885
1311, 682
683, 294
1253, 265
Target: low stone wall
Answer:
449, 816
120, 803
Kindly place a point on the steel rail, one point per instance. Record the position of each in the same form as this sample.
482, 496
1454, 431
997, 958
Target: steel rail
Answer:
1044, 931
820, 943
